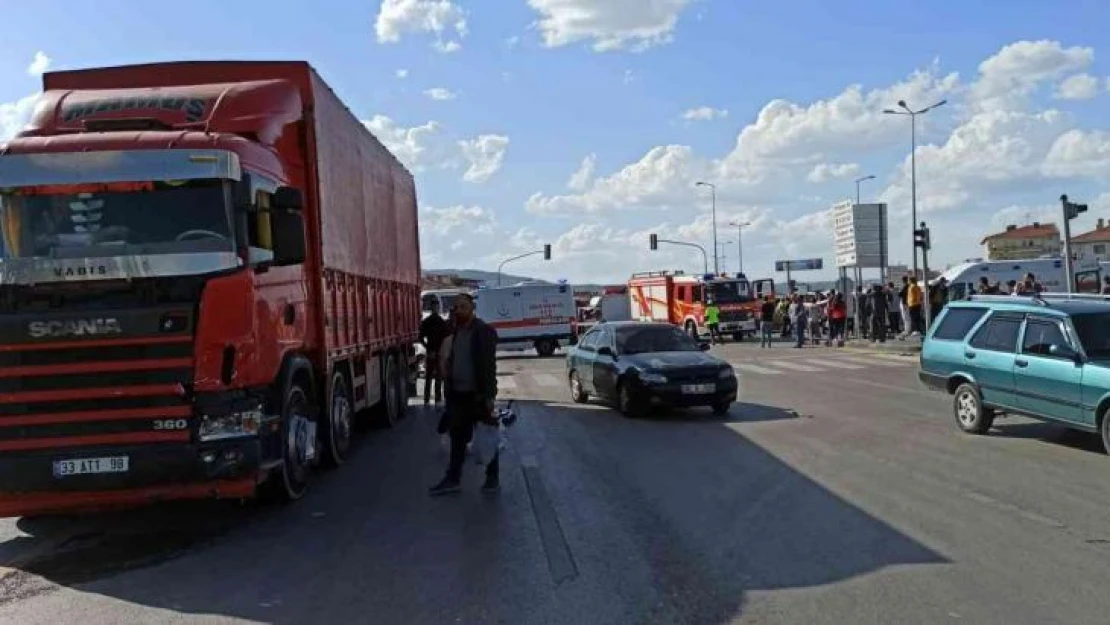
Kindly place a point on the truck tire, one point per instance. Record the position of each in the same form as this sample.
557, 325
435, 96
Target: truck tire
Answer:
393, 392
546, 348
339, 423
291, 482
738, 336
692, 330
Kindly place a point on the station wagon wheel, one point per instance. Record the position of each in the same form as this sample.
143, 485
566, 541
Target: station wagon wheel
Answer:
1104, 428
971, 416
577, 391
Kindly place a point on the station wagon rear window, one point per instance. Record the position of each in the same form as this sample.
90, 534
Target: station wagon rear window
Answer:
1094, 333
998, 334
957, 323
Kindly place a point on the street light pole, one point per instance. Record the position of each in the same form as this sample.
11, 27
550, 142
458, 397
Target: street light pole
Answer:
740, 243
858, 181
906, 110
713, 204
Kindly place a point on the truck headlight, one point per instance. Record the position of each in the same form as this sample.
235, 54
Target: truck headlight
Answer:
726, 373
233, 425
653, 378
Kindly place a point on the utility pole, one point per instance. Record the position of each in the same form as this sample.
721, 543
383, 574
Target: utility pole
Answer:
858, 181
713, 205
1071, 211
912, 114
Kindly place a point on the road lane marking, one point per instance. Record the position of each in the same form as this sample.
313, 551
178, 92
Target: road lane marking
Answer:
786, 364
871, 362
836, 364
750, 368
546, 379
905, 360
506, 382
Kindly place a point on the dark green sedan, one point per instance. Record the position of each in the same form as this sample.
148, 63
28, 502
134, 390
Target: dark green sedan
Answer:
638, 366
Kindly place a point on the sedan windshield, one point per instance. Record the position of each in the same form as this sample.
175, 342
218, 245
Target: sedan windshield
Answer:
650, 339
116, 220
729, 292
1094, 333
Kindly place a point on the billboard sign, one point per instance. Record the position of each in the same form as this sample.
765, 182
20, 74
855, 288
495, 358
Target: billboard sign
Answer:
805, 264
861, 235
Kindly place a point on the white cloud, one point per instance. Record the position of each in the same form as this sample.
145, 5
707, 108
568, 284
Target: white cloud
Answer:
447, 47
427, 148
439, 93
402, 73
1018, 69
825, 172
485, 155
629, 77
704, 114
441, 18
1077, 87
446, 221
15, 115
512, 42
634, 25
581, 178
40, 64
1077, 153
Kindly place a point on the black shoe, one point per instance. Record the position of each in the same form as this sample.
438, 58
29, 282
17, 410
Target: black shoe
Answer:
446, 486
492, 484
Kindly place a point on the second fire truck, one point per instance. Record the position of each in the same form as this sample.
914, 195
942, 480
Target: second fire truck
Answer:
678, 298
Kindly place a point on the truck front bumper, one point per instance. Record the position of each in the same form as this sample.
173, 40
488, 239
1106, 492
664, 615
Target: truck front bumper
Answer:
220, 469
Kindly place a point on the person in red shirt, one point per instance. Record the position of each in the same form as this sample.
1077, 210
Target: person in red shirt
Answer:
838, 318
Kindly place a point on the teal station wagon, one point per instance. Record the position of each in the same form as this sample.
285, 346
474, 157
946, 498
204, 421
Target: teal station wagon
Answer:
1046, 357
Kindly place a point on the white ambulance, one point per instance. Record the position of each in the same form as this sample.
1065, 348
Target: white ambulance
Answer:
527, 316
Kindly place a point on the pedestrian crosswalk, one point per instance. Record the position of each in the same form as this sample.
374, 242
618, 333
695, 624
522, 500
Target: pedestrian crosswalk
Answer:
833, 362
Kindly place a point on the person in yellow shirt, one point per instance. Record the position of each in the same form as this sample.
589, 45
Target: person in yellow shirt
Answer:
713, 321
915, 298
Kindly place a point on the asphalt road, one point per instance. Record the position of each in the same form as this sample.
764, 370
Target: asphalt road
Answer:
836, 491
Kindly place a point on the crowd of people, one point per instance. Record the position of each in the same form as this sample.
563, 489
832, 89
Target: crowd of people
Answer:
872, 314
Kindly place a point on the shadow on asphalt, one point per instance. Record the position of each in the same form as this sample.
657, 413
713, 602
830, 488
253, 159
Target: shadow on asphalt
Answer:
670, 520
1051, 433
739, 412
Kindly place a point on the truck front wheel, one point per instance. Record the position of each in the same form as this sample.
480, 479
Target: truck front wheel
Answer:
298, 438
340, 422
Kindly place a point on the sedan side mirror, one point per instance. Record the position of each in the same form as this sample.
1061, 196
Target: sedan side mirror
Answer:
1064, 351
704, 346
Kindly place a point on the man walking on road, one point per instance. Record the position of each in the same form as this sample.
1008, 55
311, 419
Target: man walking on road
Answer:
879, 312
713, 321
471, 380
799, 319
432, 332
767, 321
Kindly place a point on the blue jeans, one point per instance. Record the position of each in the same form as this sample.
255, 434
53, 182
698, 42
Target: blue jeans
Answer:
766, 331
800, 331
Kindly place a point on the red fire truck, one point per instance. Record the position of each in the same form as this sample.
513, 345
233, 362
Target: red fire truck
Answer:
208, 269
680, 299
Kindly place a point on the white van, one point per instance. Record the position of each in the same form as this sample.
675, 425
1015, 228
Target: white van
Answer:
963, 279
526, 316
444, 298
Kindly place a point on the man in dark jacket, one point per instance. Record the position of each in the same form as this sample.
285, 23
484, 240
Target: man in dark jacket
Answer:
471, 381
879, 309
432, 332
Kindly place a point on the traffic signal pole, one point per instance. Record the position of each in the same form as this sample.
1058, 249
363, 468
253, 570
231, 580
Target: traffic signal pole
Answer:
1071, 211
921, 240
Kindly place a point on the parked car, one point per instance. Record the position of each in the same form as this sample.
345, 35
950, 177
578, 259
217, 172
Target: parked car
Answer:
639, 365
1046, 357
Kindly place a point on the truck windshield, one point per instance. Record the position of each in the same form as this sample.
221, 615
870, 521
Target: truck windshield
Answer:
116, 220
729, 292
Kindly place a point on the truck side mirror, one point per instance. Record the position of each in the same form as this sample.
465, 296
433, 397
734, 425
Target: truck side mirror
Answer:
287, 198
288, 237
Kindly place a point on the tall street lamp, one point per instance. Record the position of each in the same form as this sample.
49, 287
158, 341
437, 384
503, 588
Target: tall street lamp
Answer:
906, 110
740, 225
713, 196
858, 181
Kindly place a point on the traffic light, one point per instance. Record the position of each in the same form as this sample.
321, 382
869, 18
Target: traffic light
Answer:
1071, 209
547, 251
921, 238
653, 241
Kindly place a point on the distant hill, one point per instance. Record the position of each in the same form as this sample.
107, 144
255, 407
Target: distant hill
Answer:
489, 278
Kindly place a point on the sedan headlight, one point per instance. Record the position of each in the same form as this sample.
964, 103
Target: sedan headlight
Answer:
726, 373
653, 378
233, 425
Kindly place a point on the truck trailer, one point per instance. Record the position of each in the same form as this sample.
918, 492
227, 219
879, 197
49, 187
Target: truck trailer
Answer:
208, 270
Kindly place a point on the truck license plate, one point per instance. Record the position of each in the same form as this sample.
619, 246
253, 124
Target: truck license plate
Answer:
84, 466
698, 389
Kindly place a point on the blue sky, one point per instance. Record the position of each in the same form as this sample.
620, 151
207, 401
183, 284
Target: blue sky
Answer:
534, 95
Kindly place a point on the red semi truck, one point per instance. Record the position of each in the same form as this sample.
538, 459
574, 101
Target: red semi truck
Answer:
207, 270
